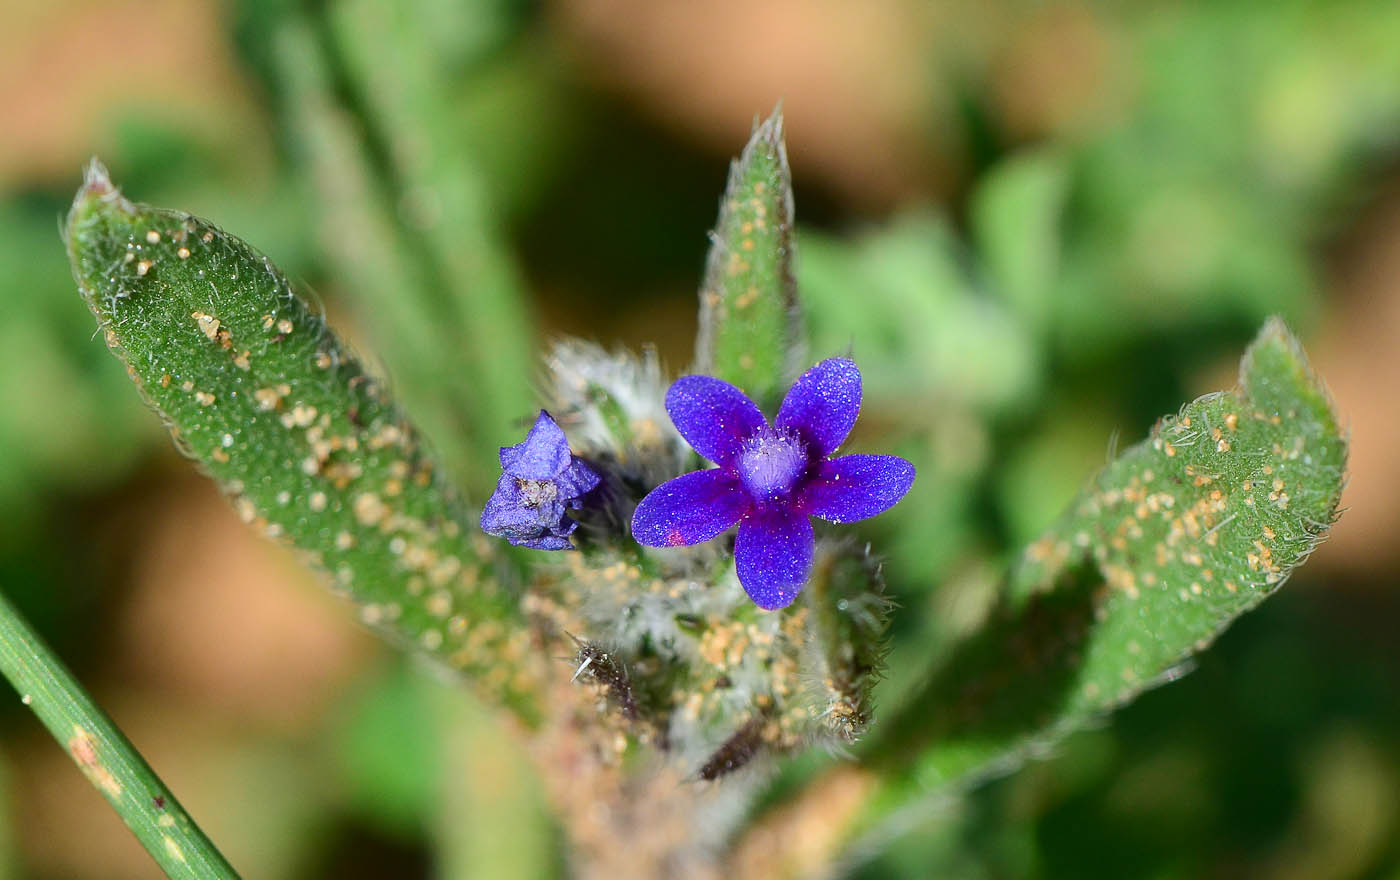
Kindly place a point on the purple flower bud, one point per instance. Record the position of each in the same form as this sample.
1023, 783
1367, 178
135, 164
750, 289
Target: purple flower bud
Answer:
771, 478
541, 480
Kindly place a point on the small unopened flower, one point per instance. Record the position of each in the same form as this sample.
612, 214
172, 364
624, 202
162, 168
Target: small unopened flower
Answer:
542, 479
771, 477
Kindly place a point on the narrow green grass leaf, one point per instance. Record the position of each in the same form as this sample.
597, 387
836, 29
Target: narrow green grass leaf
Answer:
395, 64
309, 448
397, 297
1167, 545
749, 319
106, 757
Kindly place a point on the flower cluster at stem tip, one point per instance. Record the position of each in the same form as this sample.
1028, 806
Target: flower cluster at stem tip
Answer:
769, 479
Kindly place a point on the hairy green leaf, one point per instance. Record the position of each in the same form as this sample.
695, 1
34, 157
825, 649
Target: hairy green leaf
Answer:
310, 448
749, 319
1170, 543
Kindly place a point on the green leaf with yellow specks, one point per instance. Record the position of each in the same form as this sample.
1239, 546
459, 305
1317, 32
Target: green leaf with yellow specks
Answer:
1167, 545
749, 319
309, 447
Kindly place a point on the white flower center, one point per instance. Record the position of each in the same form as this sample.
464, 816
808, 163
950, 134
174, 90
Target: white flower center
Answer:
770, 464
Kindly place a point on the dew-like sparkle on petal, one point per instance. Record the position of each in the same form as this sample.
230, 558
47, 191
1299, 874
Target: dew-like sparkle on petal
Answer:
770, 463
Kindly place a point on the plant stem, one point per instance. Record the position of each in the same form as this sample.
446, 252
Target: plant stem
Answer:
104, 755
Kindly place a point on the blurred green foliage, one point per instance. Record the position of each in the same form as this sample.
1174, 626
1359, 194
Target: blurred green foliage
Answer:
1076, 288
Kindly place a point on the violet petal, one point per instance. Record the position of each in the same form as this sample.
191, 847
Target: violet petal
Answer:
544, 542
823, 404
577, 480
543, 455
856, 487
690, 509
713, 416
509, 513
773, 554
503, 508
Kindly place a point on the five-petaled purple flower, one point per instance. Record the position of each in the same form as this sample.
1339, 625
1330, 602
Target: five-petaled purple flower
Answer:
541, 479
770, 478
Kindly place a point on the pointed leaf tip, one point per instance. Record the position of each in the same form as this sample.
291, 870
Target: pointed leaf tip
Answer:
97, 184
768, 133
95, 177
749, 321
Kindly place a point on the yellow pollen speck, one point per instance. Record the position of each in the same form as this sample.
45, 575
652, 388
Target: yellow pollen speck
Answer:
203, 398
207, 323
301, 416
143, 267
267, 398
183, 253
369, 510
317, 502
432, 639
284, 326
344, 541
153, 237
439, 604
166, 821
83, 747
165, 380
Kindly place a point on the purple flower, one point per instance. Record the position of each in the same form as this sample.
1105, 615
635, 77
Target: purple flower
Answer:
541, 480
770, 478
